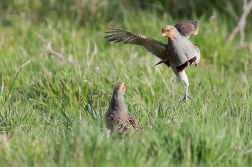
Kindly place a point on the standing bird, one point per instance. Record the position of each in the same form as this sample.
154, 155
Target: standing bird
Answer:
178, 54
117, 116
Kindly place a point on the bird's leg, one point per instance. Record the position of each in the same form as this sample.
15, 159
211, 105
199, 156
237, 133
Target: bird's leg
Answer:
187, 97
183, 77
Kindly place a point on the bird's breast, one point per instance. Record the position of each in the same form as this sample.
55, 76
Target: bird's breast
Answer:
180, 51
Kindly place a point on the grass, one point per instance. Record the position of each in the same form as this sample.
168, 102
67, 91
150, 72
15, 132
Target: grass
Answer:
52, 111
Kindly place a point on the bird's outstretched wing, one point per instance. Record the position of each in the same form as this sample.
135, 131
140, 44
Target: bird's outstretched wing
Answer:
188, 28
155, 47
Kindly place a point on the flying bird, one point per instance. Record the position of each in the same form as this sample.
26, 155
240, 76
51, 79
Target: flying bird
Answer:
117, 117
178, 54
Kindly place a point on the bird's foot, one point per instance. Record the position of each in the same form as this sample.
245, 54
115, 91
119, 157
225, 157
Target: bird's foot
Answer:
186, 98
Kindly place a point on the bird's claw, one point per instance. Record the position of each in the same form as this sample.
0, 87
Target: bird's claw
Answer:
186, 98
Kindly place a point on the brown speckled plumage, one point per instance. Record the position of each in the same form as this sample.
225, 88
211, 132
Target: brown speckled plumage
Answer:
117, 117
188, 28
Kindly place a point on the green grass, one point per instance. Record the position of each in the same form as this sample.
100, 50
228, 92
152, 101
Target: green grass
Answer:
52, 111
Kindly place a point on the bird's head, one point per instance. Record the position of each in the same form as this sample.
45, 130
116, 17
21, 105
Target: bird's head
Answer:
169, 32
120, 86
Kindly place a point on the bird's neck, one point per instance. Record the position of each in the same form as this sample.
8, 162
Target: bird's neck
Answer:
175, 38
171, 39
117, 101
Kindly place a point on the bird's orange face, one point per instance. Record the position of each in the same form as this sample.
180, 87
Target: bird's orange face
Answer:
120, 86
168, 31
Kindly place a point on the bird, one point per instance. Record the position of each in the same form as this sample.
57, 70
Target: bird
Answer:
117, 117
178, 54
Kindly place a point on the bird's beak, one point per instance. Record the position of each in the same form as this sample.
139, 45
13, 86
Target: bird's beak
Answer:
163, 35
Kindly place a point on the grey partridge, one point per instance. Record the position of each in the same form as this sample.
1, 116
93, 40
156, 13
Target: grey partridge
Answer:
117, 117
178, 54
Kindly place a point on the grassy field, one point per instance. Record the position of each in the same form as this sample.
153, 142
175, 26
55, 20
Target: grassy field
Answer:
52, 110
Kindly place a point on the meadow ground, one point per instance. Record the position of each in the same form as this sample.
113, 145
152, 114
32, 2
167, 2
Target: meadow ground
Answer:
52, 110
